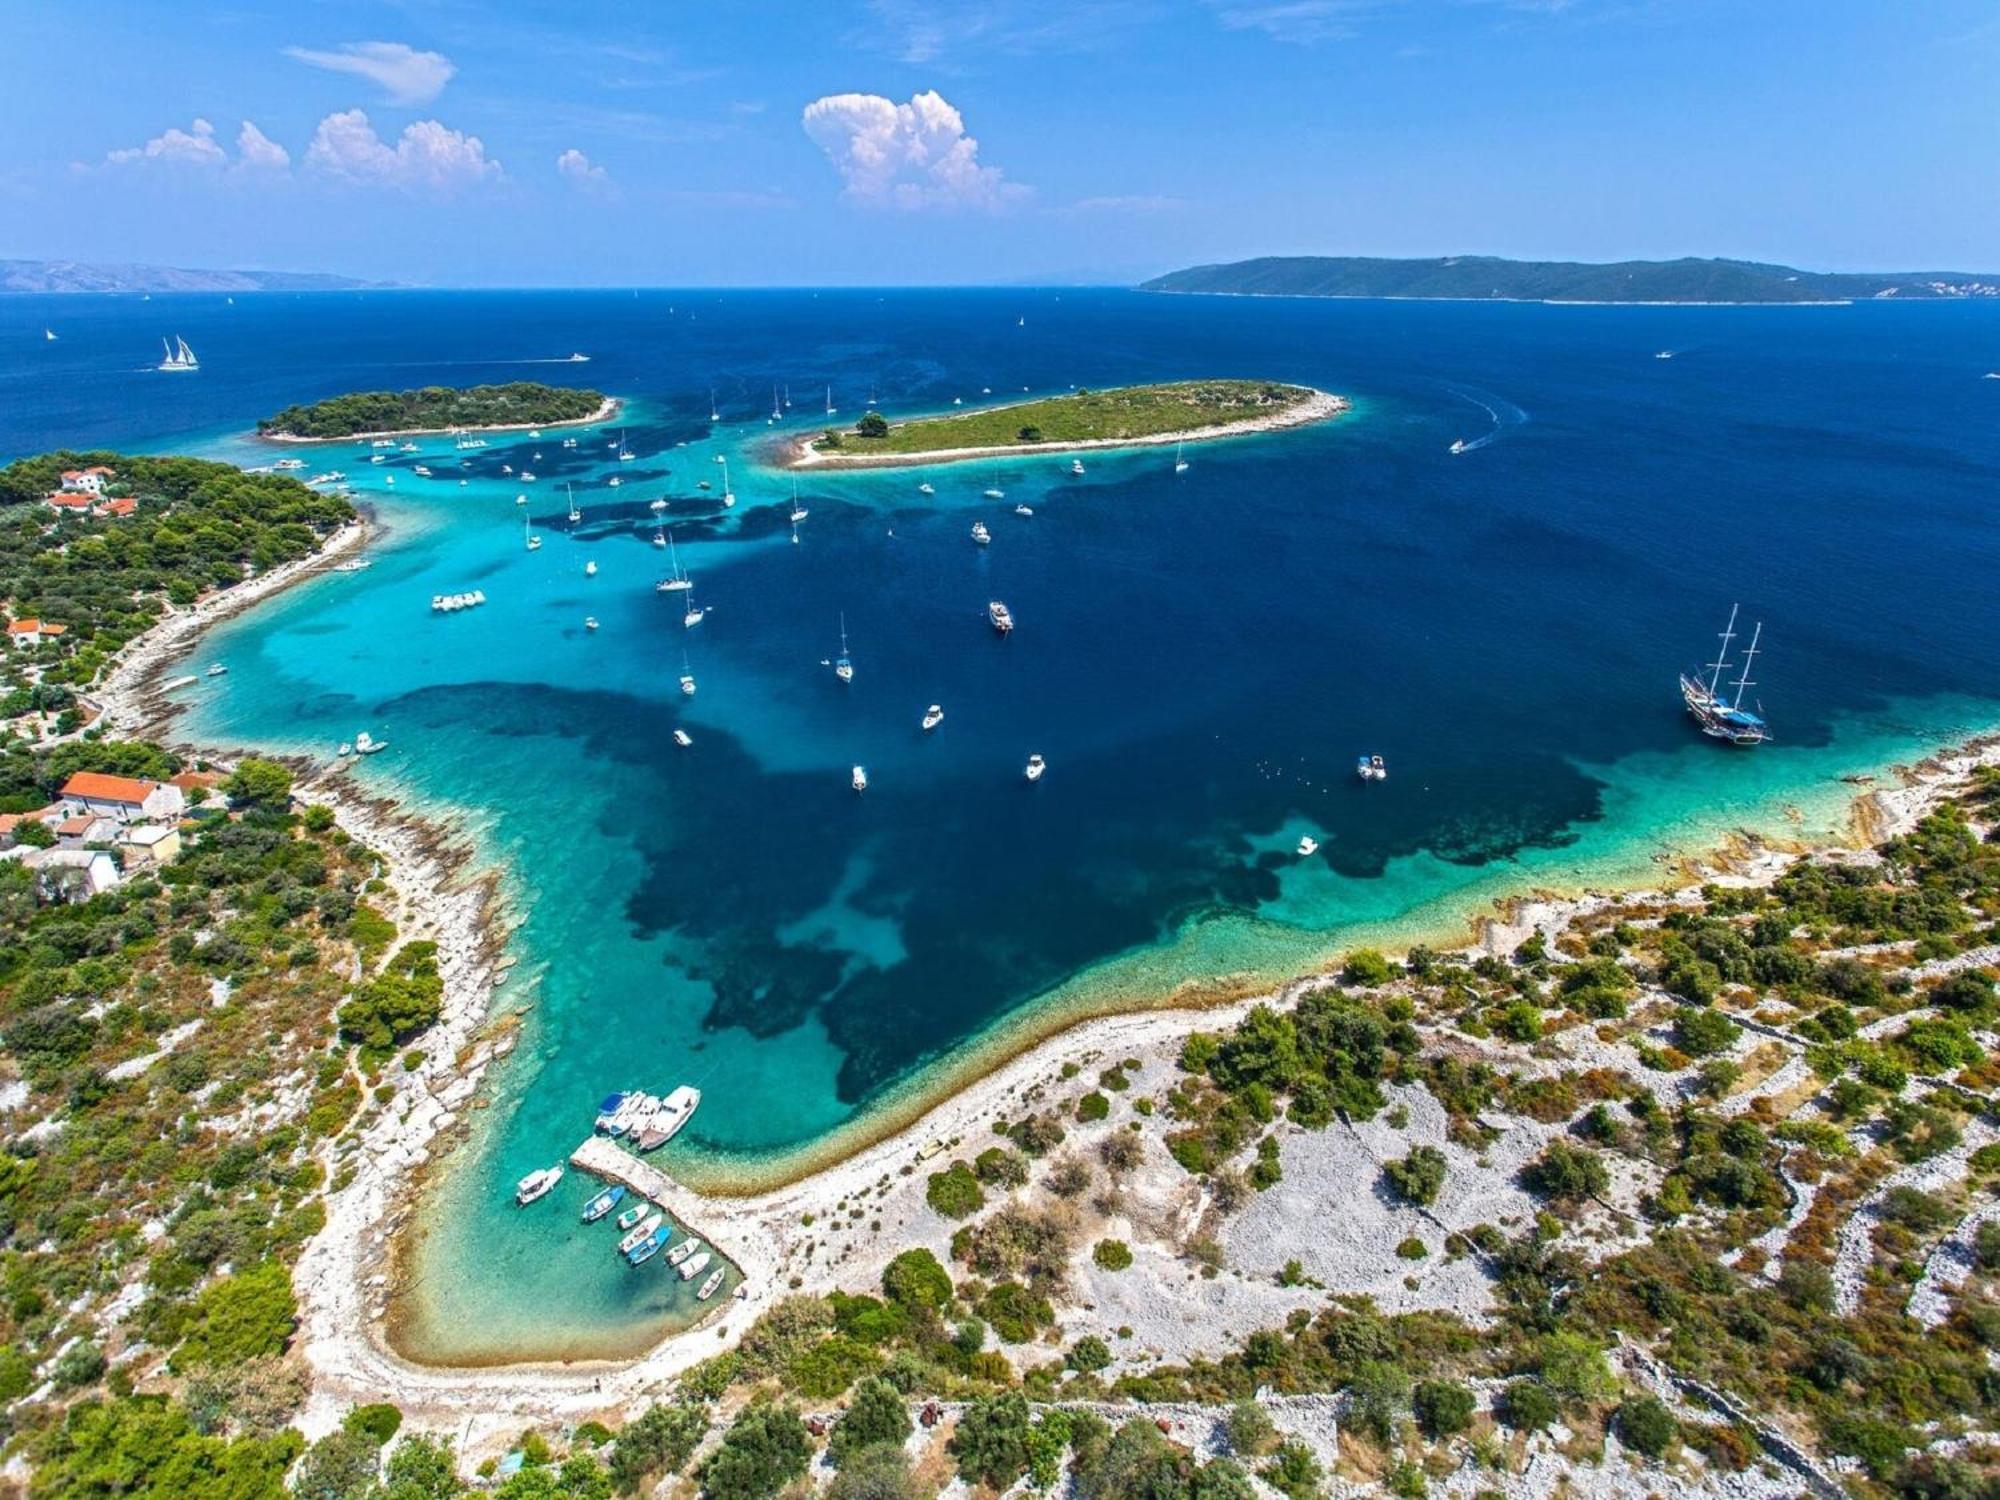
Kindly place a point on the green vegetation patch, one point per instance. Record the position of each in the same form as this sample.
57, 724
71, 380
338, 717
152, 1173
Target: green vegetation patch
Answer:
521, 403
1128, 413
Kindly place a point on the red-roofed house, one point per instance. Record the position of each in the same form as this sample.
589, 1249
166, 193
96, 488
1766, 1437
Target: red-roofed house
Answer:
32, 632
88, 481
126, 798
78, 501
124, 506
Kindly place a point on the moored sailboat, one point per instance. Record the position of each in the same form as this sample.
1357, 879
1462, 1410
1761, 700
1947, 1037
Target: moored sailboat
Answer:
1728, 720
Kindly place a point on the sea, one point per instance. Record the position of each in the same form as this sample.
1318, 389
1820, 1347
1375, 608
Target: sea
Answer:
1199, 656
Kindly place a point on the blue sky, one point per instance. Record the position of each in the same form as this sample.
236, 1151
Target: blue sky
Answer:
726, 142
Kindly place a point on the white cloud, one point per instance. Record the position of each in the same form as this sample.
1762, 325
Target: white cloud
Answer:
428, 155
574, 166
914, 155
194, 147
1303, 21
257, 152
1130, 203
405, 75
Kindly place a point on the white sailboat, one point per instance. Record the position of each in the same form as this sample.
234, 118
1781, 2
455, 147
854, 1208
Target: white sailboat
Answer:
676, 581
178, 356
575, 515
728, 496
49, 334
713, 414
799, 512
527, 535
829, 401
777, 415
687, 677
1180, 464
693, 615
843, 666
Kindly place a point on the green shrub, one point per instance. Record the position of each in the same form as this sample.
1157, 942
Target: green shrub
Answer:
1112, 1255
955, 1192
1419, 1176
915, 1279
1644, 1423
1092, 1106
1442, 1407
876, 1415
378, 1422
1528, 1406
764, 1450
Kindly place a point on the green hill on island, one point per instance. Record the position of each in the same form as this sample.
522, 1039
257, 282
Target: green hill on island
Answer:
434, 408
1486, 277
1129, 413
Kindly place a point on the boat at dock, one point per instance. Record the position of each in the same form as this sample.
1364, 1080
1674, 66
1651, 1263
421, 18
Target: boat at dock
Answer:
1720, 715
682, 1251
710, 1286
603, 1203
631, 1217
537, 1185
607, 1108
653, 1221
694, 1265
1000, 617
650, 1246
670, 1118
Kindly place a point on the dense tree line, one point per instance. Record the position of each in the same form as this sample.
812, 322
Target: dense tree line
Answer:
433, 407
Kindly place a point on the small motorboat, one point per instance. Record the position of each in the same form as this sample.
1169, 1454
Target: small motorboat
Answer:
1458, 446
1000, 617
537, 1185
345, 750
1076, 466
520, 499
590, 622
694, 1265
994, 494
603, 1203
980, 534
859, 780
631, 1217
650, 1246
1370, 768
687, 684
682, 738
933, 716
217, 670
607, 1110
927, 488
1308, 845
590, 569
682, 1251
653, 1220
710, 1286
1024, 510
366, 744
1036, 766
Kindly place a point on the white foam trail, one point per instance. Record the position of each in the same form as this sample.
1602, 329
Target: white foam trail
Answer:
1503, 413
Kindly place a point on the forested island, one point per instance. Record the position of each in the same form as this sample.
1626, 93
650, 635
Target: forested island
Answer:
1491, 278
1077, 419
436, 408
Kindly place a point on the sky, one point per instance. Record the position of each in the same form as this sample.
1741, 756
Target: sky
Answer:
867, 142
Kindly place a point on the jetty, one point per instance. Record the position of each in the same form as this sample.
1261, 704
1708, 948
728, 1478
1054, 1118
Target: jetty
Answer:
603, 1157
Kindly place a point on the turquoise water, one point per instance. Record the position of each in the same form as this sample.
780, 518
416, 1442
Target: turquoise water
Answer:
1199, 657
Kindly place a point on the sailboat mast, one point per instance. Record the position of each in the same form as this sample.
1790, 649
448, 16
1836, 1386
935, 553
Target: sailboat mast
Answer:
1716, 667
1748, 657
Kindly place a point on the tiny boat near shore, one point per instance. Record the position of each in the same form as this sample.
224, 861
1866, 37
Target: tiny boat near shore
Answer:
708, 1287
694, 1265
650, 1246
926, 488
682, 1251
366, 744
537, 1185
647, 1226
633, 1215
603, 1203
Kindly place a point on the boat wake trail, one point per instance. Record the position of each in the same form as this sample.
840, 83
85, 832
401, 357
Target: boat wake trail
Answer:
1503, 413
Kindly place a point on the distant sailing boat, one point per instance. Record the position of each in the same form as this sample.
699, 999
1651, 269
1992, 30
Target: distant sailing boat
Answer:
676, 581
713, 414
1729, 720
534, 542
728, 495
829, 401
178, 356
575, 515
776, 413
687, 675
693, 616
1180, 464
843, 667
799, 513
49, 334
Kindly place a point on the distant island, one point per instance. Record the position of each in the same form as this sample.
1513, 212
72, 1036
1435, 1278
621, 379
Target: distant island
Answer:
25, 276
1489, 278
1186, 410
437, 408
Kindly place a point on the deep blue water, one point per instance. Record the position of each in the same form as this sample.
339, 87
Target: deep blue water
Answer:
1199, 657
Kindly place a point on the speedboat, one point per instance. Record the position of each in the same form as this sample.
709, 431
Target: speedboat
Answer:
1308, 845
994, 494
603, 1203
1458, 446
633, 1215
217, 670
682, 1251
607, 1110
926, 488
657, 506
1370, 768
1001, 617
520, 499
345, 749
590, 622
537, 1185
614, 481
423, 470
526, 477
590, 569
682, 739
650, 1246
687, 684
694, 1265
1036, 765
933, 716
980, 534
636, 1237
859, 780
365, 744
1024, 510
1076, 466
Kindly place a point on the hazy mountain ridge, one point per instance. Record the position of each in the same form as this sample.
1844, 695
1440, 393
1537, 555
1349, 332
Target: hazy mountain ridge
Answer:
1492, 277
84, 276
